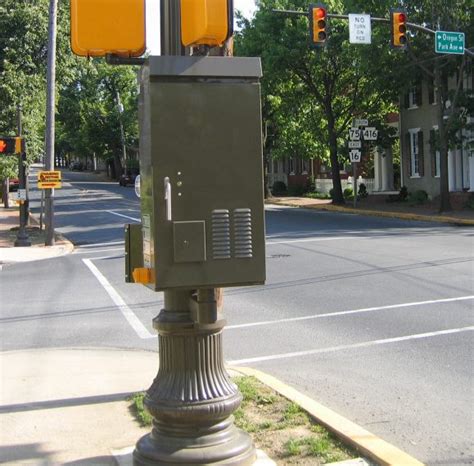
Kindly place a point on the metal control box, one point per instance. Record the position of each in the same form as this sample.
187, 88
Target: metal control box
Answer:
202, 172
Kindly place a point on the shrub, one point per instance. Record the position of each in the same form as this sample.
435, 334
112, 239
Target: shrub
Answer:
296, 190
470, 202
279, 188
348, 192
317, 195
362, 191
400, 197
418, 197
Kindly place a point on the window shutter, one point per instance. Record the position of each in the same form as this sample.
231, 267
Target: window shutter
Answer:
433, 152
431, 93
406, 99
407, 154
421, 156
418, 95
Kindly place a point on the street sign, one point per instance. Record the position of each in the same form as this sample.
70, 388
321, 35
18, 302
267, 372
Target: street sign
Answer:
355, 155
360, 122
354, 134
449, 42
370, 134
49, 179
355, 144
360, 31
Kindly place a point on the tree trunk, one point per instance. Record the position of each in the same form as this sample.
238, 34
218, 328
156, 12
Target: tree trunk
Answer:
5, 191
337, 197
444, 203
117, 166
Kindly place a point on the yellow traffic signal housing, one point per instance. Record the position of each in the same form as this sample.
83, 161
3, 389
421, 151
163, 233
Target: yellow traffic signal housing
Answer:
11, 145
206, 22
101, 27
398, 19
318, 24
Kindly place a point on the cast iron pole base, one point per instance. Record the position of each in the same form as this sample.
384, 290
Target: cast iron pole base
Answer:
192, 400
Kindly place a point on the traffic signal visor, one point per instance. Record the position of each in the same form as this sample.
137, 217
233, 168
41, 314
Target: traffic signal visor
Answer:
318, 23
101, 27
399, 28
206, 22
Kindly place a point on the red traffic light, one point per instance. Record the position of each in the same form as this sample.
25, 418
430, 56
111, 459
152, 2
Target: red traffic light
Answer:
11, 145
317, 24
398, 37
320, 12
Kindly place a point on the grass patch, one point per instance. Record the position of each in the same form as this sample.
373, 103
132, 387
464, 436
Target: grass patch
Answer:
278, 426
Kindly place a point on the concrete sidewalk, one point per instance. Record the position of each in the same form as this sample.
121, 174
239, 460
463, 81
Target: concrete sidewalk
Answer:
70, 407
9, 222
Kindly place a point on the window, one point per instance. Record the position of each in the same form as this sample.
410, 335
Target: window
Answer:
413, 98
291, 166
432, 93
435, 154
415, 152
305, 168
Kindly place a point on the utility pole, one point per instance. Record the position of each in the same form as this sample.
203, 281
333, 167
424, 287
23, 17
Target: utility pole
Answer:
50, 120
22, 238
190, 426
122, 132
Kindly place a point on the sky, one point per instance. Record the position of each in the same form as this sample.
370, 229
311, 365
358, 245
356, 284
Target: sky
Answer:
153, 19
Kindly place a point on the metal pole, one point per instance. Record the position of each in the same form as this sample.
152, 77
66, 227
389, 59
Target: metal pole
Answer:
354, 183
50, 120
122, 132
192, 398
22, 238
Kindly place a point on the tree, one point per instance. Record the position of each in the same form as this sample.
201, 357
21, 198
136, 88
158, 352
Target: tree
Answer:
325, 88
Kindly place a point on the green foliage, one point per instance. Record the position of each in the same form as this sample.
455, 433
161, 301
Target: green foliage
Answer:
362, 191
348, 192
418, 197
317, 195
139, 410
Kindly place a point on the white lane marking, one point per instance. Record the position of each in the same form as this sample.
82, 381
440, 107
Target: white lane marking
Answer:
95, 245
93, 251
364, 344
124, 216
343, 313
131, 318
309, 240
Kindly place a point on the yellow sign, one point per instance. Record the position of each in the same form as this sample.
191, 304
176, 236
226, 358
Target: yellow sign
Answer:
100, 27
207, 22
49, 179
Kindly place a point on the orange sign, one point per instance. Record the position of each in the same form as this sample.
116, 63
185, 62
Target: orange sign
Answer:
49, 179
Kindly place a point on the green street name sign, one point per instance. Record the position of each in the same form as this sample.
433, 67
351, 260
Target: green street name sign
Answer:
449, 42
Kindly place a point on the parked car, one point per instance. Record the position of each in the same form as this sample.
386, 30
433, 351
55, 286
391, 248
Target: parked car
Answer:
78, 166
14, 183
127, 178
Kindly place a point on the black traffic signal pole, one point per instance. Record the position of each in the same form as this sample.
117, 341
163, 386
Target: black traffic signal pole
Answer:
191, 428
22, 238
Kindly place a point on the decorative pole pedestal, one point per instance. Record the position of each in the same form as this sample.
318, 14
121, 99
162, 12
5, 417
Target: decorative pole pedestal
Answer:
192, 398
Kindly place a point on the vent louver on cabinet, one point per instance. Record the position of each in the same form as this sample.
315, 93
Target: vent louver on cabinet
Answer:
243, 234
221, 234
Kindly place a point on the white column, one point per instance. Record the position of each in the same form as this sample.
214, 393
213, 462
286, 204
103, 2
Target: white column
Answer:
387, 170
471, 173
377, 170
458, 153
451, 171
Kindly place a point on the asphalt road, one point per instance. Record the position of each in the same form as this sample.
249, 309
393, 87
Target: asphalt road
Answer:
372, 317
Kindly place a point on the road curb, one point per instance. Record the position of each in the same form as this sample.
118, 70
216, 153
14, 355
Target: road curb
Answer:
68, 245
378, 213
364, 441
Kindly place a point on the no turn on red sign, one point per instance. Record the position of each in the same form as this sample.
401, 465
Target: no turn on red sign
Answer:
49, 179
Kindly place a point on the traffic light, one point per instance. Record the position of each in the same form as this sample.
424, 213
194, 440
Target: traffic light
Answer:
318, 24
101, 27
398, 20
11, 145
206, 22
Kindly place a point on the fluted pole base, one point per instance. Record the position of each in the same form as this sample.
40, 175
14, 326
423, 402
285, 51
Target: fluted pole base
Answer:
192, 399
